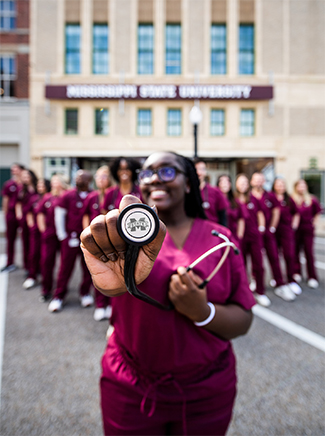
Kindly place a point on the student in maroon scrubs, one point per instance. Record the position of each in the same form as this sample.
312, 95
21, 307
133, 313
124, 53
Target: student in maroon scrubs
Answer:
92, 209
68, 216
50, 244
43, 187
309, 209
168, 371
9, 194
236, 212
28, 189
252, 242
285, 232
213, 202
271, 209
124, 172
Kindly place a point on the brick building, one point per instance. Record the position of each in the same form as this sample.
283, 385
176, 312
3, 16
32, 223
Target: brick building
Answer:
14, 85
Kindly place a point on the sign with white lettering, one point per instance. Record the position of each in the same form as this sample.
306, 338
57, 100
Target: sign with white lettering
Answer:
158, 92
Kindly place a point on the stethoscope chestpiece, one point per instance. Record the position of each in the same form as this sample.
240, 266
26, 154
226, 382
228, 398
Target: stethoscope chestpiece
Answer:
138, 224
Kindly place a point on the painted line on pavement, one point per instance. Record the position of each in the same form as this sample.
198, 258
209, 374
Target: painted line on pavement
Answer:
3, 307
290, 327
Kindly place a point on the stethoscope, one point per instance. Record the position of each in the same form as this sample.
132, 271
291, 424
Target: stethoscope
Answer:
138, 225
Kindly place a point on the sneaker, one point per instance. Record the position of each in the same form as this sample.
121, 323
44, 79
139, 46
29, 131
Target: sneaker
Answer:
252, 285
44, 298
263, 300
9, 268
29, 283
285, 293
100, 314
297, 278
272, 283
55, 305
296, 289
312, 283
108, 312
87, 300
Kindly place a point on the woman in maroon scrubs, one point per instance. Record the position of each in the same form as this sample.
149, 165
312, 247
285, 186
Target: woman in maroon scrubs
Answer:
42, 188
28, 189
235, 211
50, 244
124, 172
169, 372
252, 242
309, 209
285, 232
92, 209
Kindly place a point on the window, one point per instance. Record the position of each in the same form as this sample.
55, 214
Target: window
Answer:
246, 49
247, 122
218, 49
217, 125
144, 122
71, 121
100, 49
7, 15
145, 48
173, 49
72, 49
101, 121
7, 76
174, 122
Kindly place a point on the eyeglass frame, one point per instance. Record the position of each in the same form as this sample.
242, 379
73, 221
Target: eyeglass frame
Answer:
177, 171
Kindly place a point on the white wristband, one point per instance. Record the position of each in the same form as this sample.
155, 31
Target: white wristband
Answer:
261, 229
272, 229
209, 318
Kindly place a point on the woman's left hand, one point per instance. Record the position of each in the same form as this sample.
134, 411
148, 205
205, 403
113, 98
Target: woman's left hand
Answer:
187, 297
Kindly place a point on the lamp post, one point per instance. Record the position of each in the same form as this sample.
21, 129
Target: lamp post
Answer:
195, 118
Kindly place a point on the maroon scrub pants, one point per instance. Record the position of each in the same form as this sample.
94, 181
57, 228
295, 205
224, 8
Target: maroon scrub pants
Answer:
285, 240
11, 234
50, 245
68, 259
25, 240
101, 301
254, 249
122, 415
35, 252
305, 241
271, 249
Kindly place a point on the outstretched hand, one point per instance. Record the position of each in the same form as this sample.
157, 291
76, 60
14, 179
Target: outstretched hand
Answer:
104, 251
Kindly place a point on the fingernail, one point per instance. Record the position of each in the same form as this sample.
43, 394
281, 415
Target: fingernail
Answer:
103, 258
112, 257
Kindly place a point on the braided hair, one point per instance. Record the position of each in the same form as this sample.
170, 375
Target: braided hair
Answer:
193, 199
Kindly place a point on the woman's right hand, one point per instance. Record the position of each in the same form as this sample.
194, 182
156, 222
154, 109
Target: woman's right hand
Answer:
104, 251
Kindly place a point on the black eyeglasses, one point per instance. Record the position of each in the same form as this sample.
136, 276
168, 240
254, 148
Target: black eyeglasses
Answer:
165, 174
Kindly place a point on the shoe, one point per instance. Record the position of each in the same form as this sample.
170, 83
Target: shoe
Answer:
29, 283
296, 289
312, 283
252, 285
100, 314
285, 293
44, 298
297, 278
9, 268
272, 283
108, 312
87, 300
263, 300
55, 305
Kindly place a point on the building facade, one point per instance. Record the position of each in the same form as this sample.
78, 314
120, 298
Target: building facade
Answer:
120, 77
14, 85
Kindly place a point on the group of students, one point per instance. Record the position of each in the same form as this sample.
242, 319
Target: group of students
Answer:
52, 216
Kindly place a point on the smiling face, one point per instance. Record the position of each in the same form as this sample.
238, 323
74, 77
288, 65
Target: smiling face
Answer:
224, 184
201, 171
279, 186
124, 173
242, 184
166, 196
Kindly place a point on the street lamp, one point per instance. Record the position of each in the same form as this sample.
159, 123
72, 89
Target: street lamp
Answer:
195, 118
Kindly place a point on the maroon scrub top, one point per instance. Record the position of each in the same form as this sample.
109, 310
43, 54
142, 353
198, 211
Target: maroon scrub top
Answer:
159, 342
74, 204
114, 196
307, 213
10, 189
46, 206
212, 201
267, 203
